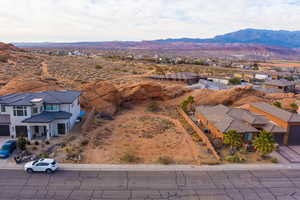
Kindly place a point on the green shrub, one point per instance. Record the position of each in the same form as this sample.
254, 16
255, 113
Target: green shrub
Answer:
130, 157
28, 143
187, 103
3, 58
44, 155
153, 107
235, 81
233, 139
47, 142
294, 106
21, 143
165, 160
274, 160
277, 104
34, 148
264, 143
234, 159
36, 143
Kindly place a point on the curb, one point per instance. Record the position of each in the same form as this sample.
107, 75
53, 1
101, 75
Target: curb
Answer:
227, 167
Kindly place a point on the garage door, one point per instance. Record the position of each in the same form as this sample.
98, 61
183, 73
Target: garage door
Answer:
294, 136
278, 137
21, 131
4, 130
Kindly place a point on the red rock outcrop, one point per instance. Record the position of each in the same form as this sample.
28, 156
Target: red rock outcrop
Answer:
102, 95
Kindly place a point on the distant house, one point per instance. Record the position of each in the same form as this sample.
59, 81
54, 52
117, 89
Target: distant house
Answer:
221, 119
187, 77
209, 85
252, 76
39, 114
223, 80
283, 85
290, 122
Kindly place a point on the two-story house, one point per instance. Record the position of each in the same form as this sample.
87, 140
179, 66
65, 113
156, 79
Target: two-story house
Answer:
39, 114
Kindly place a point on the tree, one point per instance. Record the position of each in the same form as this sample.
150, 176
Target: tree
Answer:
21, 143
235, 81
233, 139
187, 104
289, 78
277, 104
264, 143
294, 106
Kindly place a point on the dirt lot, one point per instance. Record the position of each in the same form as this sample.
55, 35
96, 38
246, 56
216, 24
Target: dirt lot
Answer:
146, 136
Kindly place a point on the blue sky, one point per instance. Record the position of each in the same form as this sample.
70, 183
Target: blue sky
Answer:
107, 20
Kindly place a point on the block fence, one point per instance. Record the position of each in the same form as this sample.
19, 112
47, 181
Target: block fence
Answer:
199, 132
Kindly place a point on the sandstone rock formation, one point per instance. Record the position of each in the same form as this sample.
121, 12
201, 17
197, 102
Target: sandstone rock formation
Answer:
149, 91
28, 84
8, 47
102, 95
234, 96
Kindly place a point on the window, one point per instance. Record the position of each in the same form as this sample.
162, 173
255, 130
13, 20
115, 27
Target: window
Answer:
20, 110
248, 136
51, 108
42, 164
41, 109
35, 110
3, 108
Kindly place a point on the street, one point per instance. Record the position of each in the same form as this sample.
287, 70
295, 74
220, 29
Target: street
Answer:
171, 185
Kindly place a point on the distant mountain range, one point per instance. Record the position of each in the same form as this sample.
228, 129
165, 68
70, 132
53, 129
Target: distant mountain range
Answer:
288, 39
281, 38
247, 43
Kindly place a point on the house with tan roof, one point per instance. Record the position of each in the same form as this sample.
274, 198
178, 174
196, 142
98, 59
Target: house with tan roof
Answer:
288, 121
282, 85
221, 119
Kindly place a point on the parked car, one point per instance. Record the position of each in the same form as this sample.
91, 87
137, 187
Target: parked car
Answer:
7, 148
41, 165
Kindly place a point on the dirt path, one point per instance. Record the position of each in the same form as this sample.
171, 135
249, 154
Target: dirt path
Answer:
45, 72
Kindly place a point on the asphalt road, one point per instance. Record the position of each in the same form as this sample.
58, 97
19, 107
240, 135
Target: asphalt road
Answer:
187, 185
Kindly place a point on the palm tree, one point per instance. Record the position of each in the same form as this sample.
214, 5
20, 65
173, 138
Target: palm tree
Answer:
264, 143
233, 139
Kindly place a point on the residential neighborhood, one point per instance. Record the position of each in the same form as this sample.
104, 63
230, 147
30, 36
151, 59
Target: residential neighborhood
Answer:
149, 100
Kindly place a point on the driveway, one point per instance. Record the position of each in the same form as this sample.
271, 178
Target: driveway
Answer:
2, 141
290, 153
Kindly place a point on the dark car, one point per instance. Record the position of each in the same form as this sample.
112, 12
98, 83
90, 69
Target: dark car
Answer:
7, 148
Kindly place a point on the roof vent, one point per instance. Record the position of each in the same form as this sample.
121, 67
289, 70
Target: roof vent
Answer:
36, 100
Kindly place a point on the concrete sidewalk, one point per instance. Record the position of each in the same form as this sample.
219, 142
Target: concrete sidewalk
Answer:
107, 167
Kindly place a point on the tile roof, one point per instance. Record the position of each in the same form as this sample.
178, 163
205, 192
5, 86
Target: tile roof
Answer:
277, 112
49, 97
273, 128
47, 117
179, 76
280, 83
224, 119
238, 119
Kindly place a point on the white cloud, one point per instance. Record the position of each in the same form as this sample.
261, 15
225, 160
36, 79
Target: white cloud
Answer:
103, 20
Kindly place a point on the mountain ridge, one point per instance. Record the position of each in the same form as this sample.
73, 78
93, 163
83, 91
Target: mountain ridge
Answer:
281, 38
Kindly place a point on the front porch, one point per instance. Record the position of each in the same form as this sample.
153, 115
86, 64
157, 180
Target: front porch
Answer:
44, 131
